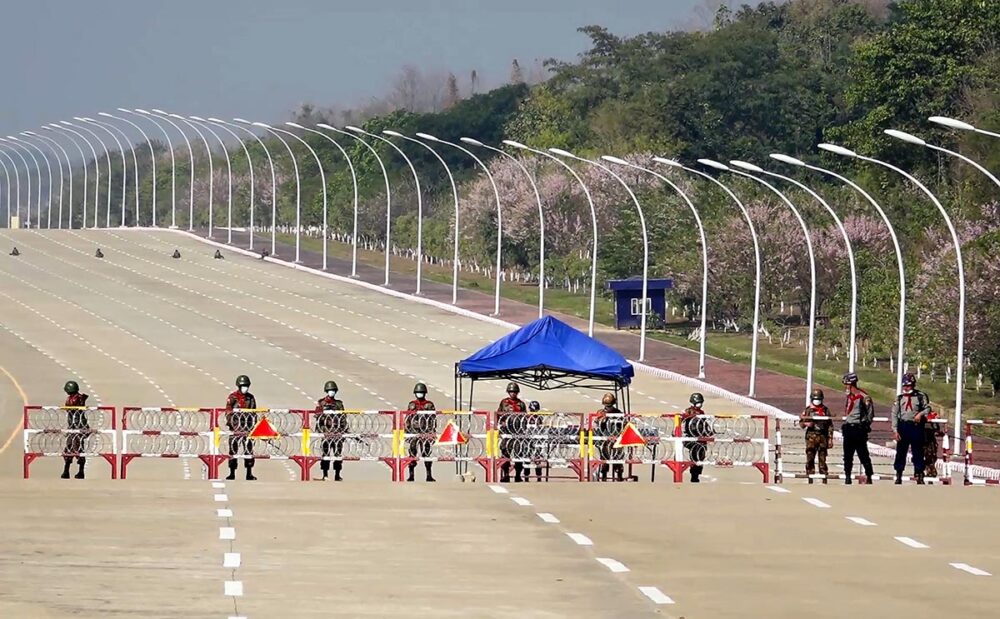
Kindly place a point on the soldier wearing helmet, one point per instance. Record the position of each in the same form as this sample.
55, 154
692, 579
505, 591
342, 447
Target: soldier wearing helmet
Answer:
535, 428
696, 426
819, 434
77, 428
610, 424
932, 432
859, 412
241, 418
512, 429
909, 412
421, 430
333, 425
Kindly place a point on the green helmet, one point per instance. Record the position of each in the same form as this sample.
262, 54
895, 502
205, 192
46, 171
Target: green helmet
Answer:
71, 387
331, 385
817, 394
697, 398
242, 380
513, 387
420, 388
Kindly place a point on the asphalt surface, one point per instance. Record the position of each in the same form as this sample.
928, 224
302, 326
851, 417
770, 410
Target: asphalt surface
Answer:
140, 328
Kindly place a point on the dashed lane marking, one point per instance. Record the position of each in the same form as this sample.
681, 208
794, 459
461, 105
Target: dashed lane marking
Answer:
231, 560
498, 489
965, 567
862, 521
657, 596
779, 489
547, 517
816, 502
615, 566
909, 541
227, 533
520, 501
580, 539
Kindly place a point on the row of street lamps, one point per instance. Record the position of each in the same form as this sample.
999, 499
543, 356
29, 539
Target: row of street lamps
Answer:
29, 141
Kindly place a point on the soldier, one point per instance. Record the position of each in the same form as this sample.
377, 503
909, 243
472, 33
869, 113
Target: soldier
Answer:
819, 433
908, 415
78, 426
858, 415
511, 425
422, 430
610, 424
333, 426
693, 427
931, 433
241, 420
535, 428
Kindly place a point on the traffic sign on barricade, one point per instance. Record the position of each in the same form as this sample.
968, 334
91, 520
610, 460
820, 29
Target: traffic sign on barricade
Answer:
350, 436
627, 440
417, 434
233, 440
158, 432
73, 432
719, 441
975, 474
543, 439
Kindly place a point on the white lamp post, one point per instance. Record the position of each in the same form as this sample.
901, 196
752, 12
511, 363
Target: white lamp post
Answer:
298, 187
852, 352
63, 131
454, 193
173, 168
62, 185
204, 124
953, 123
211, 169
107, 157
215, 122
152, 161
812, 265
593, 221
274, 182
121, 151
48, 167
6, 176
912, 139
16, 149
541, 217
322, 180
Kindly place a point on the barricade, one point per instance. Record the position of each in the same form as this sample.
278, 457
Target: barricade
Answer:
790, 455
152, 432
720, 441
462, 437
541, 440
654, 430
234, 440
75, 432
350, 436
976, 475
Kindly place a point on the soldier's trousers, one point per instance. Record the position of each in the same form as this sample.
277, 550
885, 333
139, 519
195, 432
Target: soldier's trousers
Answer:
420, 447
856, 441
911, 437
699, 451
930, 450
610, 453
74, 445
236, 444
816, 446
331, 448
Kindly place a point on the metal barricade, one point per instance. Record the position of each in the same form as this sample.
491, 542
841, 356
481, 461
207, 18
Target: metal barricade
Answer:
349, 436
976, 474
235, 439
603, 432
70, 432
158, 432
462, 437
720, 441
544, 440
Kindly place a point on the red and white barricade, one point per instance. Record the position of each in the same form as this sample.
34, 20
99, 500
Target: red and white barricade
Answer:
70, 432
462, 437
156, 432
975, 474
349, 436
721, 441
627, 441
261, 434
551, 443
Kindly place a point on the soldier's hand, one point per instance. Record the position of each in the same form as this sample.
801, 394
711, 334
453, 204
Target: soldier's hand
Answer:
895, 435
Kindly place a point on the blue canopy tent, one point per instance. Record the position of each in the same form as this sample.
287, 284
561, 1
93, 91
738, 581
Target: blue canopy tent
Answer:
548, 354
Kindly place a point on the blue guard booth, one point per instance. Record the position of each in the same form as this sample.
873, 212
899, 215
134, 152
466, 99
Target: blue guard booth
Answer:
628, 300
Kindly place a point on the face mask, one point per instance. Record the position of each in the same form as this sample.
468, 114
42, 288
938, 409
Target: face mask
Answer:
420, 396
244, 389
907, 389
331, 393
817, 402
697, 405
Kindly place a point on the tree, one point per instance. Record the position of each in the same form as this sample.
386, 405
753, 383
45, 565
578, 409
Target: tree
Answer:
516, 77
451, 96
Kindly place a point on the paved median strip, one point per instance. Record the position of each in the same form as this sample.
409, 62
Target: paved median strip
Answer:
965, 567
909, 541
657, 596
615, 566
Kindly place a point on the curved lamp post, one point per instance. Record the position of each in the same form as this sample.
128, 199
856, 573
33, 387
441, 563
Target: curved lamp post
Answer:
152, 162
322, 180
48, 167
62, 185
912, 139
211, 171
454, 193
953, 123
298, 187
274, 182
16, 149
593, 221
6, 174
229, 179
852, 351
173, 207
107, 157
121, 151
812, 265
211, 168
63, 131
246, 152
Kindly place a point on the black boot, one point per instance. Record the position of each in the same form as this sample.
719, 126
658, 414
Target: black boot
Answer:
337, 466
412, 467
848, 481
249, 467
79, 473
232, 470
899, 479
920, 479
428, 465
251, 476
868, 479
65, 473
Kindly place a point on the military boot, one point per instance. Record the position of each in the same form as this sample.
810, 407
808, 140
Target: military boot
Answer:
428, 465
920, 479
232, 470
899, 479
412, 467
868, 480
65, 473
79, 473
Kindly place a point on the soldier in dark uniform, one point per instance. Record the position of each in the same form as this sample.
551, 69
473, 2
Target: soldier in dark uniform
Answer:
932, 431
858, 415
695, 425
240, 419
511, 424
333, 426
909, 412
819, 433
76, 421
421, 430
610, 424
534, 427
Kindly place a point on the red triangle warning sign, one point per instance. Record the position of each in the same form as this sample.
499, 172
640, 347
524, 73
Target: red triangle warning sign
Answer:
629, 437
451, 435
263, 430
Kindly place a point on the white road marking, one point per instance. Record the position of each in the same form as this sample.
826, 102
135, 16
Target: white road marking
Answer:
231, 560
615, 566
657, 596
520, 500
779, 489
227, 533
498, 489
580, 539
816, 502
221, 498
547, 517
218, 484
224, 513
234, 588
862, 521
965, 567
912, 543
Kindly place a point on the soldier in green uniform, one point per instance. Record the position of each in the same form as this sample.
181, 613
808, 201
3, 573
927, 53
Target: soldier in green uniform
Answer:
333, 425
819, 434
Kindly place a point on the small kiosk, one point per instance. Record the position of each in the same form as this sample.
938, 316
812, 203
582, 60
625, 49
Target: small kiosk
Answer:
628, 300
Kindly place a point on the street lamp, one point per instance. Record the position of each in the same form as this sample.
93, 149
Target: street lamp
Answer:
121, 151
152, 161
274, 183
895, 244
388, 201
229, 176
107, 157
173, 167
60, 131
16, 149
812, 264
246, 152
211, 170
6, 175
48, 167
322, 180
62, 185
757, 270
593, 221
454, 193
541, 217
912, 139
953, 123
298, 186
852, 352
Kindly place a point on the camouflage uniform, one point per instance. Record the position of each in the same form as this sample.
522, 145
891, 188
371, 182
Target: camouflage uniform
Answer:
333, 426
694, 424
240, 421
511, 408
76, 421
421, 431
931, 433
610, 425
819, 438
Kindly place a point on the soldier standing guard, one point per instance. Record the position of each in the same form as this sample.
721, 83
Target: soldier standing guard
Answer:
241, 419
510, 408
422, 430
78, 426
858, 415
333, 425
908, 415
819, 434
610, 424
695, 426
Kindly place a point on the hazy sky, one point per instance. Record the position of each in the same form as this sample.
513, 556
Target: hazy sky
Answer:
261, 58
